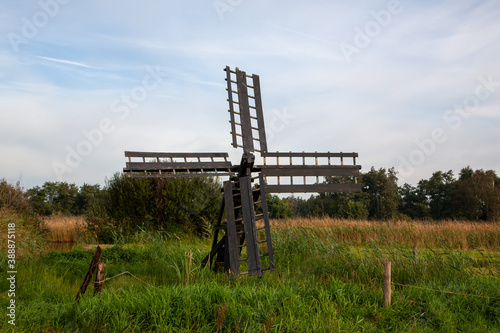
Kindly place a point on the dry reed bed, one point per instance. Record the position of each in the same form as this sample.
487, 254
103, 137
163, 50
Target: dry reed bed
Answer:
456, 234
64, 229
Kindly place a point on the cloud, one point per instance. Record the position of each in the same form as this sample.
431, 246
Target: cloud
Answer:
68, 62
393, 92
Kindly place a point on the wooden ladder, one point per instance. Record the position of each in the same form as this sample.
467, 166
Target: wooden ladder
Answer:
246, 247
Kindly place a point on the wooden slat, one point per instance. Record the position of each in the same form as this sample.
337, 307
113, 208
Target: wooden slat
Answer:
179, 175
250, 227
231, 105
308, 154
174, 155
178, 166
260, 114
246, 122
310, 170
315, 188
266, 222
233, 238
219, 222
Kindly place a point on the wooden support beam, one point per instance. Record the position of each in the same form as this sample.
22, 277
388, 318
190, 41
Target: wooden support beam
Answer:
265, 214
249, 222
246, 122
306, 154
178, 175
314, 188
173, 155
232, 237
260, 114
309, 170
178, 166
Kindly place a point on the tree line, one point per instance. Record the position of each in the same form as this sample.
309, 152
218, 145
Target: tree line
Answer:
193, 204
474, 195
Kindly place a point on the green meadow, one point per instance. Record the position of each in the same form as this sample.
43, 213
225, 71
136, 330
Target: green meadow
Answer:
328, 279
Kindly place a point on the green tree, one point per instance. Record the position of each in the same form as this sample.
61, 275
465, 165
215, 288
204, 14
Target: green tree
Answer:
477, 195
413, 202
278, 208
54, 197
439, 193
86, 195
381, 189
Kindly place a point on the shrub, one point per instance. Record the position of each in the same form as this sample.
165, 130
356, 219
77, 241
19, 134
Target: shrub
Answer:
127, 204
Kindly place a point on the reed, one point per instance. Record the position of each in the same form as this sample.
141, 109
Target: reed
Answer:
462, 235
64, 229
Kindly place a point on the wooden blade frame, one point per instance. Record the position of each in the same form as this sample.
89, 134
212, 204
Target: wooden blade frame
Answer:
301, 172
242, 237
245, 109
161, 165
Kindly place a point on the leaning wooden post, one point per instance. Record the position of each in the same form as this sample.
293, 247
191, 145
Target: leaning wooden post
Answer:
99, 278
387, 283
90, 272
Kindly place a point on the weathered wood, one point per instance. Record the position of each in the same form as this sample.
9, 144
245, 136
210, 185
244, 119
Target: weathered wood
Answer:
178, 175
265, 215
178, 166
231, 106
246, 121
249, 222
387, 283
308, 154
310, 170
238, 204
231, 230
260, 114
314, 188
174, 155
219, 222
99, 277
213, 252
90, 272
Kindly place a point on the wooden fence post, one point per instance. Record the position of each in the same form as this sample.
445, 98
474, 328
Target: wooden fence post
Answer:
387, 283
90, 272
99, 278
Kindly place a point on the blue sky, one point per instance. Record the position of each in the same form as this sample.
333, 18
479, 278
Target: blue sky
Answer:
408, 84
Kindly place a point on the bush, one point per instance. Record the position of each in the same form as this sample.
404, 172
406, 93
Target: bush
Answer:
13, 198
355, 210
15, 210
171, 204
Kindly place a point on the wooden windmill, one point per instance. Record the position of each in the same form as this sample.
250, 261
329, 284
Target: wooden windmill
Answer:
242, 237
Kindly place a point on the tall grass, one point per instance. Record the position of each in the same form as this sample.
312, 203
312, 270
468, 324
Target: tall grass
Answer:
62, 228
321, 284
457, 234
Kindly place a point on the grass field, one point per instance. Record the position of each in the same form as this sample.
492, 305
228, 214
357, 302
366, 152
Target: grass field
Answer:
328, 279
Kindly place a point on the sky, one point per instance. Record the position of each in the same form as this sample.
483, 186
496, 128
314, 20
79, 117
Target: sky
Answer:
413, 85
